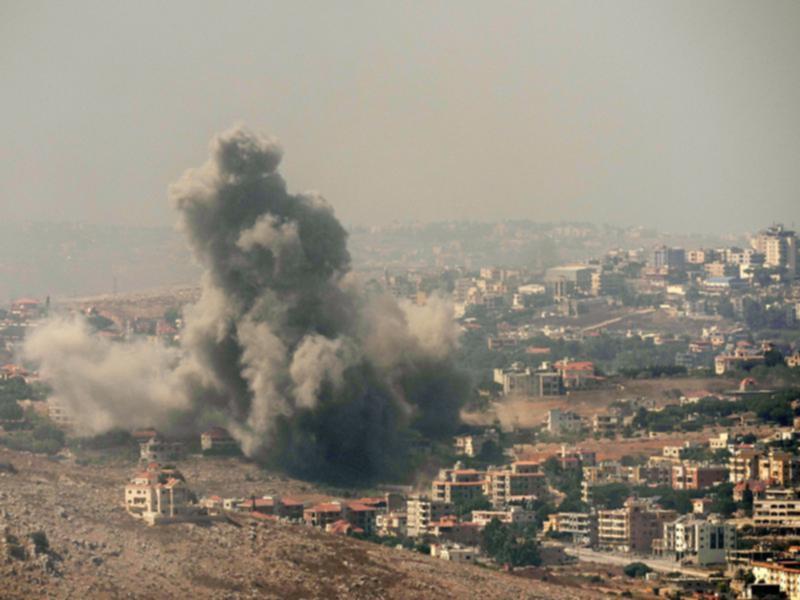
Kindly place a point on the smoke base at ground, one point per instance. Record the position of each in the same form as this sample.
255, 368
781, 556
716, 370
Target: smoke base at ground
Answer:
309, 372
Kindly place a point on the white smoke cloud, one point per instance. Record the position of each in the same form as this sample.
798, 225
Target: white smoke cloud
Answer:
102, 383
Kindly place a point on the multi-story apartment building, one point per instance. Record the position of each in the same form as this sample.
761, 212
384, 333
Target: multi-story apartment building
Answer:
472, 444
778, 511
633, 527
458, 485
563, 421
524, 381
582, 526
657, 472
669, 258
157, 449
779, 247
602, 473
720, 269
521, 481
612, 529
606, 471
720, 442
607, 425
689, 476
607, 283
700, 256
783, 573
568, 280
511, 515
743, 464
158, 495
739, 359
704, 540
779, 468
421, 511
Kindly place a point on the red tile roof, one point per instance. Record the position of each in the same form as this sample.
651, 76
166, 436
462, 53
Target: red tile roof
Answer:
329, 507
342, 527
358, 507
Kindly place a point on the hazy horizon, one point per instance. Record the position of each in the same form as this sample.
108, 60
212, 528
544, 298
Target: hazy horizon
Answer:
679, 116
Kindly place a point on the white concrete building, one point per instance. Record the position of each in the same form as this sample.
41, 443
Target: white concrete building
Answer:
421, 511
158, 495
703, 540
455, 553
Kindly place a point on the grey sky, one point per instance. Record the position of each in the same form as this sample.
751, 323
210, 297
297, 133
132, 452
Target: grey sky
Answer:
682, 115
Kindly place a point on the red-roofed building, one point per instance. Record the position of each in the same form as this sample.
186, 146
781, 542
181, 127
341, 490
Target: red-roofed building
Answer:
361, 516
25, 307
274, 506
576, 374
11, 371
326, 513
342, 527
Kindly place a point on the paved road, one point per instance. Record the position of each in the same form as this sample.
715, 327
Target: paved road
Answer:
602, 324
657, 564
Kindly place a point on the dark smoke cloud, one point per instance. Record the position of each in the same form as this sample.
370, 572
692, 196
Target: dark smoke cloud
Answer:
311, 374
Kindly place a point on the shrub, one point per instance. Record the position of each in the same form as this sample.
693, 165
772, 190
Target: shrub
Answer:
40, 541
636, 569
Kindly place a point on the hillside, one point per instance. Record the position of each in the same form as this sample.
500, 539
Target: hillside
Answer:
98, 551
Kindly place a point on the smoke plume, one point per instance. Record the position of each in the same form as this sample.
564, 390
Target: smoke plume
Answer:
310, 373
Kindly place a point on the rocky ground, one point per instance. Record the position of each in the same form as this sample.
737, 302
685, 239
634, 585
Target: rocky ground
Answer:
95, 550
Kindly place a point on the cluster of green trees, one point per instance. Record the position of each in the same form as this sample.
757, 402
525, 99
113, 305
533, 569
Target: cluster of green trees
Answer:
758, 317
613, 495
566, 481
775, 408
44, 438
631, 357
26, 431
14, 389
510, 544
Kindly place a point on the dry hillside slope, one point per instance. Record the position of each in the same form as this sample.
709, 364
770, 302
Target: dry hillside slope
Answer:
98, 551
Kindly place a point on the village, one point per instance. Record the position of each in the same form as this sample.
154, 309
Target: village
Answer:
645, 429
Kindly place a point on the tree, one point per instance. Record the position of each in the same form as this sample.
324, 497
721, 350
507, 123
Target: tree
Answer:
508, 544
40, 541
747, 501
773, 357
722, 500
467, 506
172, 314
610, 495
636, 569
493, 537
572, 504
491, 453
11, 411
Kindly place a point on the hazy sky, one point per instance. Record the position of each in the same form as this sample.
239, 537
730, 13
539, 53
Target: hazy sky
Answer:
682, 115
